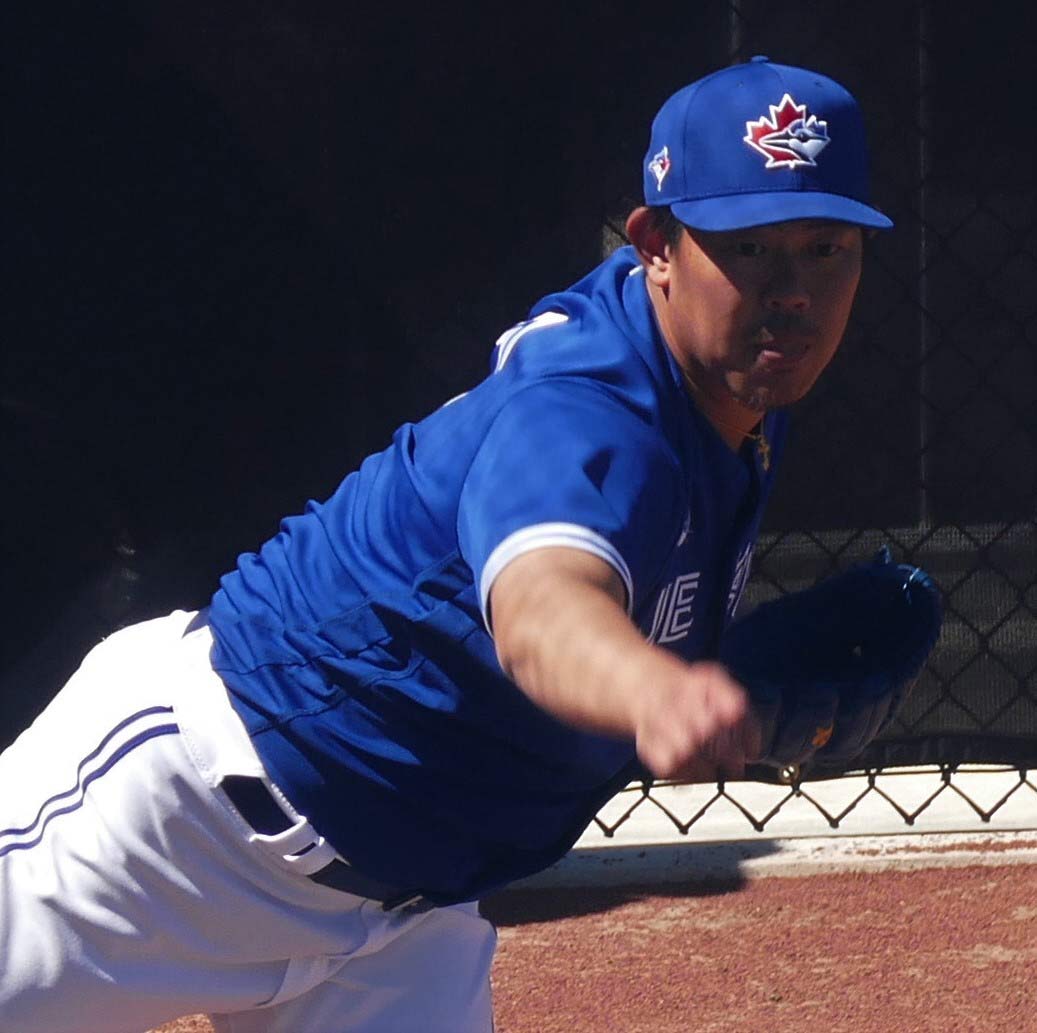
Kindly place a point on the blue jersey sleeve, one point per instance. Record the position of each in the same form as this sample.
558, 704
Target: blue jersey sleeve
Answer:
567, 464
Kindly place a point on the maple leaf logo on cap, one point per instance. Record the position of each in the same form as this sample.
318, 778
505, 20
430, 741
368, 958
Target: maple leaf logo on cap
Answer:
790, 138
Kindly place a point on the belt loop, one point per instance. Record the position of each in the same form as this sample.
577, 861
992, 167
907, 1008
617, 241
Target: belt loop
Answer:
197, 622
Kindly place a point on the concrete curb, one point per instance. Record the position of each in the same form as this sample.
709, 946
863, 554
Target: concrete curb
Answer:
662, 863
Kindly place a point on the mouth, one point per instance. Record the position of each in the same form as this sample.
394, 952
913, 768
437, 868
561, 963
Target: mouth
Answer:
781, 348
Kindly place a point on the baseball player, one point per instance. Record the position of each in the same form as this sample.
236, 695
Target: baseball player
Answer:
282, 810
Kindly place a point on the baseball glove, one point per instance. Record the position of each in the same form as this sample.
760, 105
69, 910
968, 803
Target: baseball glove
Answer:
827, 668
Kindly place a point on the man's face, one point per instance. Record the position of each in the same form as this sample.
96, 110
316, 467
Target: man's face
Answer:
757, 314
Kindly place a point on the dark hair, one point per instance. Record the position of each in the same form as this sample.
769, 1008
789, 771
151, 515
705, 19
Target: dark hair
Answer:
666, 223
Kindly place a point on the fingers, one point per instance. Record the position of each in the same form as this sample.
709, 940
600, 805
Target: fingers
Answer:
699, 727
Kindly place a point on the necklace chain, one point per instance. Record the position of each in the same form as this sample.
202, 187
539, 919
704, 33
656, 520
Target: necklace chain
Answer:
763, 446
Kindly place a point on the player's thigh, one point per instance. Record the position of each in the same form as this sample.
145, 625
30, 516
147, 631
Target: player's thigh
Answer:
434, 977
99, 931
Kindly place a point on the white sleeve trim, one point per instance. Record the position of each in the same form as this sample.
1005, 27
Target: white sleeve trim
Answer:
540, 536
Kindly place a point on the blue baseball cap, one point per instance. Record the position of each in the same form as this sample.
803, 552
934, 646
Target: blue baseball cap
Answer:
760, 143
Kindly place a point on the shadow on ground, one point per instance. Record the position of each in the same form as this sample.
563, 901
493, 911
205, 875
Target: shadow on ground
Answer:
525, 906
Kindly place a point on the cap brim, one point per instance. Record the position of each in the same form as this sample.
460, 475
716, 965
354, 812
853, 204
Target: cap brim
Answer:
740, 211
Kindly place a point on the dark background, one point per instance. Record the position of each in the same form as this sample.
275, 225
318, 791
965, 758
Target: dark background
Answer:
246, 241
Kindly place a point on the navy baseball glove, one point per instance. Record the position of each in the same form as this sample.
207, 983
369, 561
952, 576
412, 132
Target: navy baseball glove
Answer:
827, 668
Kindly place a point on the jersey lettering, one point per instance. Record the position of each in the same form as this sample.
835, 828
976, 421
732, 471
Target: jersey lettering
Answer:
738, 582
673, 612
507, 340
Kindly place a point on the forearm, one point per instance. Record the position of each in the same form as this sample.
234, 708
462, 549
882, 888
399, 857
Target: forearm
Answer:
563, 635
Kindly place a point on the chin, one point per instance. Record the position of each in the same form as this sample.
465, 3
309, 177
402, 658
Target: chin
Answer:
757, 399
761, 398
774, 392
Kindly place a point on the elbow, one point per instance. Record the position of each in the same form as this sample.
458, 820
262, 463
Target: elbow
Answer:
511, 655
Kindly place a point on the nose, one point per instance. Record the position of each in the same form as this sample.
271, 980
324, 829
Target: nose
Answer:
786, 290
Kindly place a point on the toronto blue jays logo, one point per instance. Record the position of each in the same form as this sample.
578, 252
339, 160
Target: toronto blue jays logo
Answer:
790, 138
659, 166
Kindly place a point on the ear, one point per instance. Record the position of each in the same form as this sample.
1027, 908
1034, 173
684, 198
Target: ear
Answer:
651, 246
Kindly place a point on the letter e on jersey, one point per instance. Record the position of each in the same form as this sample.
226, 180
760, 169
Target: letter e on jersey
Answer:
673, 612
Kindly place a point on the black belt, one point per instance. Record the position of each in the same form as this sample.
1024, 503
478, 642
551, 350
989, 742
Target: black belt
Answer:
254, 803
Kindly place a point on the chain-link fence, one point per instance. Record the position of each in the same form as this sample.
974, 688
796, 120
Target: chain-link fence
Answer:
927, 798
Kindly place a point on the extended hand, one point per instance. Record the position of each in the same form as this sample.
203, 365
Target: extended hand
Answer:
697, 725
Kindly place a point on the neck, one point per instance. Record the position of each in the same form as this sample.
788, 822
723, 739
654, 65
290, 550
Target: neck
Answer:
733, 421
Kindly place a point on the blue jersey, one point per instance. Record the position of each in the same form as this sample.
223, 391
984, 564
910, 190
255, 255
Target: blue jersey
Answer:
357, 644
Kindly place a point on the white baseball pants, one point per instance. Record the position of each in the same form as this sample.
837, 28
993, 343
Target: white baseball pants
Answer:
132, 892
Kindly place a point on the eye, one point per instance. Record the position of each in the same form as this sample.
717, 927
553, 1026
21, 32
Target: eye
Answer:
749, 248
826, 249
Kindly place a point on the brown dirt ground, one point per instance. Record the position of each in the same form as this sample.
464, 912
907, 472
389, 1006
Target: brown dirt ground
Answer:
921, 951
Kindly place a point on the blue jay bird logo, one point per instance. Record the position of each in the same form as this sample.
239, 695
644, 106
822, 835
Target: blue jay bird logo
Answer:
659, 166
